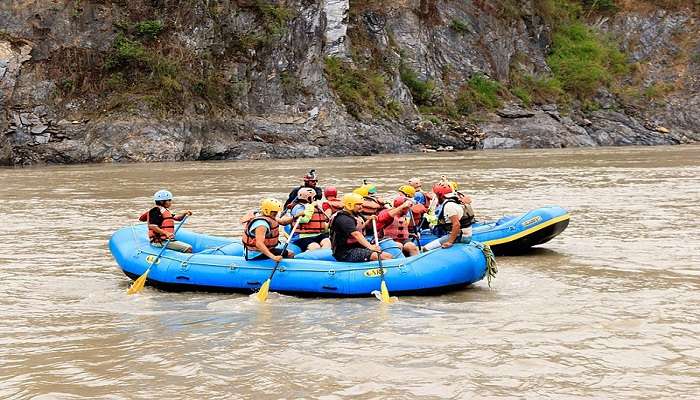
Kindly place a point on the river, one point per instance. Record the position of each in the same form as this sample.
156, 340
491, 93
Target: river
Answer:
609, 309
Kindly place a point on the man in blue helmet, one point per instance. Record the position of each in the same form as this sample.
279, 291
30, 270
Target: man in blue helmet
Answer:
161, 222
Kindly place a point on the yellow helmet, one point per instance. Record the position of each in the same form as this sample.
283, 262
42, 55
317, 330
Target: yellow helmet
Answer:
268, 206
350, 200
408, 190
454, 186
362, 191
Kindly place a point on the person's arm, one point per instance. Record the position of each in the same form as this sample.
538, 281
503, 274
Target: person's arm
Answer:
454, 233
180, 216
285, 219
292, 197
396, 211
260, 243
363, 241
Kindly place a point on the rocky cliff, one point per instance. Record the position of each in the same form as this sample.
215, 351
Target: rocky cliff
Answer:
153, 80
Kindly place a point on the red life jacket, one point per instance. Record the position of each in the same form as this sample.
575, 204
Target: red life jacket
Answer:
334, 204
397, 230
417, 211
272, 236
371, 206
317, 224
167, 225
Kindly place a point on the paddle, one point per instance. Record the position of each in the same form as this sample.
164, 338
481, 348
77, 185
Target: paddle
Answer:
417, 228
139, 283
384, 293
265, 288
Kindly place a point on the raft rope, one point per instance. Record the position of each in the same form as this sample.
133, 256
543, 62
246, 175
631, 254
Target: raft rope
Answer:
491, 266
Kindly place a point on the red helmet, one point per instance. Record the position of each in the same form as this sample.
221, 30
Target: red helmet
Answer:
330, 191
306, 194
442, 188
399, 201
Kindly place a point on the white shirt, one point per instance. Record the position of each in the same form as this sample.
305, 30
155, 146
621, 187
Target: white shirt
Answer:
452, 209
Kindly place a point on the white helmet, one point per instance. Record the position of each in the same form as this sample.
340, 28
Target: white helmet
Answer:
162, 195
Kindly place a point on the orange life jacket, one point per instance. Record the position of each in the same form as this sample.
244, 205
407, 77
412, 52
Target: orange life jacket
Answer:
334, 204
272, 236
317, 224
371, 206
397, 230
168, 225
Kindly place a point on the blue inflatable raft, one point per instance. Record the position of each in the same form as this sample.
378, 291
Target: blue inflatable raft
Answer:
216, 264
515, 234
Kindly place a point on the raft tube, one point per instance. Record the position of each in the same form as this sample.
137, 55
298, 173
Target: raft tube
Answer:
515, 234
216, 264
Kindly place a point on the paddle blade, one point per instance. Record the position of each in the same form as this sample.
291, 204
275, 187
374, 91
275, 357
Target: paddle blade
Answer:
262, 293
384, 295
138, 284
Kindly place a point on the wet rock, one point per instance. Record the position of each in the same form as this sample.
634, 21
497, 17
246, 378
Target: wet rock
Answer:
514, 112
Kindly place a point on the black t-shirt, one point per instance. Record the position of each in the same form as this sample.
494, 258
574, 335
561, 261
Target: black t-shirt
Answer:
155, 217
341, 229
293, 195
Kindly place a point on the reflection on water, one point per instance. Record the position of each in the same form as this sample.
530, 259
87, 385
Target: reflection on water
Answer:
607, 310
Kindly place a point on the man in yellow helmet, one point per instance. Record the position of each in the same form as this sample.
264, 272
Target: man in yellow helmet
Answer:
261, 233
347, 240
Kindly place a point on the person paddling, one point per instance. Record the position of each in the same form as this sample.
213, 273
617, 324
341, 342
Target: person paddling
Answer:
418, 209
261, 234
312, 232
394, 223
310, 181
161, 223
348, 242
454, 218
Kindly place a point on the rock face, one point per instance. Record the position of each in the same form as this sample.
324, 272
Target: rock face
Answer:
61, 103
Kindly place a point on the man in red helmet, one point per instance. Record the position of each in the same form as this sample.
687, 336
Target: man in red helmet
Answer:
454, 218
394, 224
332, 204
310, 181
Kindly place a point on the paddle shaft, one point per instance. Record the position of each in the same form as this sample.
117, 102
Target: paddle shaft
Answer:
417, 228
165, 245
376, 241
284, 248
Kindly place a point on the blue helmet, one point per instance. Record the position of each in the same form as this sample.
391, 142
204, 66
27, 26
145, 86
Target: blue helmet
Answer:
419, 197
162, 195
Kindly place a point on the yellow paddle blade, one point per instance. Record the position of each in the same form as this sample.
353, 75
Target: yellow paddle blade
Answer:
384, 295
262, 293
138, 284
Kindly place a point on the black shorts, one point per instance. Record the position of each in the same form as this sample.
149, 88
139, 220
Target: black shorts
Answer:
356, 254
304, 243
276, 251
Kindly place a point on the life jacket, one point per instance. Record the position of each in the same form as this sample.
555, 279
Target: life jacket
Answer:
371, 206
272, 236
334, 204
317, 224
417, 211
443, 226
398, 229
350, 241
168, 224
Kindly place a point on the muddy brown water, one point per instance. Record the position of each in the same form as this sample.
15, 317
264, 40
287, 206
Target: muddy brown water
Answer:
610, 309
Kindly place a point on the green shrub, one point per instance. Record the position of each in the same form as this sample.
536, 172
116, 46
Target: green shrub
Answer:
125, 52
606, 6
583, 61
459, 26
422, 91
478, 94
149, 28
359, 89
535, 89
